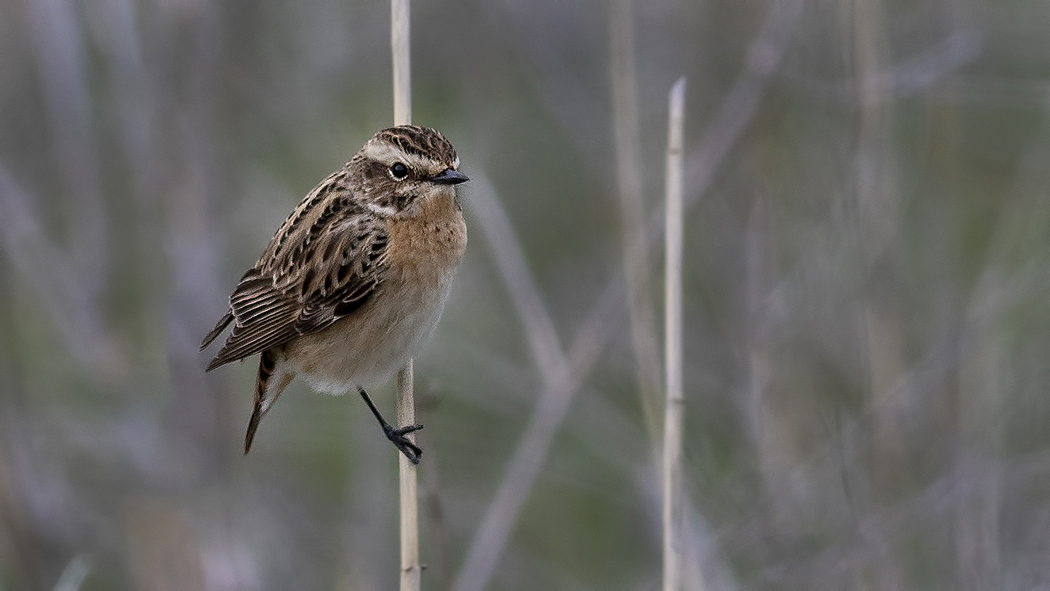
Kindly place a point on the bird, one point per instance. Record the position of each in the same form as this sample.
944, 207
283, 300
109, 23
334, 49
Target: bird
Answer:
354, 281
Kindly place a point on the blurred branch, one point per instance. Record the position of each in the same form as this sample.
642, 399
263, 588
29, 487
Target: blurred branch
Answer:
636, 259
703, 569
164, 553
702, 566
1011, 276
562, 378
990, 92
926, 69
189, 257
873, 220
758, 411
134, 91
510, 261
16, 530
736, 111
61, 63
917, 74
982, 414
67, 280
738, 107
562, 91
439, 571
55, 279
74, 574
534, 445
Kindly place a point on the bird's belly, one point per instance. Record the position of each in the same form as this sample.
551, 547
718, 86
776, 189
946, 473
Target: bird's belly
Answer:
369, 346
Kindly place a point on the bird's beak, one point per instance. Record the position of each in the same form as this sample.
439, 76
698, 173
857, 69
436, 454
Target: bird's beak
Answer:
450, 177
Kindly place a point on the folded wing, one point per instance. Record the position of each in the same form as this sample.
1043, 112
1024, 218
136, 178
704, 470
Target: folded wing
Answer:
306, 281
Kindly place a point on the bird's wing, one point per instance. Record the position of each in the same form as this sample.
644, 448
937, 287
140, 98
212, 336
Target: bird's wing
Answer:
307, 279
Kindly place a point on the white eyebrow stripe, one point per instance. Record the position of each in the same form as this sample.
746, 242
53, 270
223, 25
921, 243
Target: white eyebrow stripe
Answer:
387, 154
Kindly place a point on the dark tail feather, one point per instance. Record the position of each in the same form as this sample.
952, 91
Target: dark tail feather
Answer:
226, 319
253, 424
266, 393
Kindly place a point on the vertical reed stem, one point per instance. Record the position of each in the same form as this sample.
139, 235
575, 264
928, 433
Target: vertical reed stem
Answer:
672, 457
399, 45
409, 497
406, 414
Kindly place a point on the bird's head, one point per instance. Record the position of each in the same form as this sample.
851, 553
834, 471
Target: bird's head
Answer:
402, 167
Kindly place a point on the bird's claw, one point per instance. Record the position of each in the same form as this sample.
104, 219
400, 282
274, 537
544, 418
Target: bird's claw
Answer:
397, 437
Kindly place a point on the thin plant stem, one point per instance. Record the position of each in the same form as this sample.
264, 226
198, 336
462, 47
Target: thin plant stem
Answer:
408, 484
409, 496
672, 456
399, 45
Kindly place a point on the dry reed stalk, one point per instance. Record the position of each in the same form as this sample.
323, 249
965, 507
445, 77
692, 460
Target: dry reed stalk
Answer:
411, 570
672, 456
402, 64
408, 484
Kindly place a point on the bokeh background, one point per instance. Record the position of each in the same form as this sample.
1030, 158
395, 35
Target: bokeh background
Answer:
867, 239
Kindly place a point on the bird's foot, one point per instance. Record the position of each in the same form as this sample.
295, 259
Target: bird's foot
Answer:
396, 436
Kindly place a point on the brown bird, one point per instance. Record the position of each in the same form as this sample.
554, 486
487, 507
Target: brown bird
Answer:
354, 281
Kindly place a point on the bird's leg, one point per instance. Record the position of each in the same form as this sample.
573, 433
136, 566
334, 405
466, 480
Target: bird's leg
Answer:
396, 436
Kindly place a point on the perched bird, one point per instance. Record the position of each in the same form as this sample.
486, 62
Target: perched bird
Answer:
354, 281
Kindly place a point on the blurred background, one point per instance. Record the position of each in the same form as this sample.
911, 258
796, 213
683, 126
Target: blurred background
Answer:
867, 261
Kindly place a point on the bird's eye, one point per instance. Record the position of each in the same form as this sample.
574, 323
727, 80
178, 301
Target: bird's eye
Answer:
398, 170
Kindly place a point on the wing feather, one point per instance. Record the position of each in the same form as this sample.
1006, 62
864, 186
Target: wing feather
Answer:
307, 281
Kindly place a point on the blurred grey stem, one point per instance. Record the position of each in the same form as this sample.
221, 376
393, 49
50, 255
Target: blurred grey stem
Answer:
672, 456
735, 112
24, 240
562, 375
406, 414
63, 65
875, 221
737, 109
629, 180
